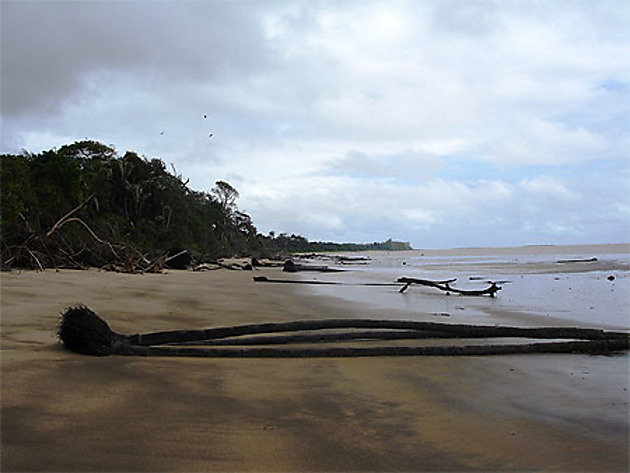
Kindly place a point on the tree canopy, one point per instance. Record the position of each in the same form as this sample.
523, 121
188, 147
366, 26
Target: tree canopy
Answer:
128, 200
84, 204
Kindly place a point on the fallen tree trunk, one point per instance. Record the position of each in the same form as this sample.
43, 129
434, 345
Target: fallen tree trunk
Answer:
230, 266
590, 347
423, 282
256, 263
327, 283
446, 287
461, 331
83, 331
583, 260
293, 281
292, 267
370, 335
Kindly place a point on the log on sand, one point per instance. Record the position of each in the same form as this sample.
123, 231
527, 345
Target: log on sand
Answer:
83, 331
292, 267
325, 283
446, 287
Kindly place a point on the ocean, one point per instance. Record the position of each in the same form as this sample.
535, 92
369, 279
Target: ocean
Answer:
586, 285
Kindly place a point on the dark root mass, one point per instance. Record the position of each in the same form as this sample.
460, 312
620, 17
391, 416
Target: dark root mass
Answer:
82, 331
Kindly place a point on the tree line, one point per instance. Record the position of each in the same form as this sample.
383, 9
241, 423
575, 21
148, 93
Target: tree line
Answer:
85, 205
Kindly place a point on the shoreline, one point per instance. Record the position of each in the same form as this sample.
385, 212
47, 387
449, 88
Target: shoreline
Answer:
63, 411
561, 286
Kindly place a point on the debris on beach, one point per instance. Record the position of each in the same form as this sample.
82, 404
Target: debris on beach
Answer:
178, 258
292, 267
446, 287
311, 281
221, 264
361, 260
581, 260
82, 331
256, 263
338, 259
403, 282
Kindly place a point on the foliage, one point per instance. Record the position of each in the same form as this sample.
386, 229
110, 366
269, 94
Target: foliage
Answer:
284, 243
84, 205
128, 200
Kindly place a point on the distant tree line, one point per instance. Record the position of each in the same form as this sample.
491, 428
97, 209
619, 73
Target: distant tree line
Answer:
82, 204
284, 243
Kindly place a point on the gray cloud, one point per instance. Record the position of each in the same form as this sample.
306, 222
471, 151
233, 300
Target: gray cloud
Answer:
50, 47
441, 122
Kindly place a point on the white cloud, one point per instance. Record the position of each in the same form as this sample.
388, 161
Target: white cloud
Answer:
440, 121
547, 187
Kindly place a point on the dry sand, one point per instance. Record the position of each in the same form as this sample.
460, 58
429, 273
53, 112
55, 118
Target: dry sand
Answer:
67, 412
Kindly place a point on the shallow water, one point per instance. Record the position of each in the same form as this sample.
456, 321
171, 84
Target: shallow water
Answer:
538, 285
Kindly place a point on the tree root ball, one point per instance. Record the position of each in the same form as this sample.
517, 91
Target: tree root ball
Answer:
82, 331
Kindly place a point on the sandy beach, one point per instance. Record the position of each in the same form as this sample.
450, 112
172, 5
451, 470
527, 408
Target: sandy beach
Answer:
67, 412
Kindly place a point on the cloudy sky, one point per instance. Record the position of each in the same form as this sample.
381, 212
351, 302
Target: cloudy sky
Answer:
440, 122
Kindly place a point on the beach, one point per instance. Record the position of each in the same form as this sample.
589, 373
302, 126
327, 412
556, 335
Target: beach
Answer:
63, 411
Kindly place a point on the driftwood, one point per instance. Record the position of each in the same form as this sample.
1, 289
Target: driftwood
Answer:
294, 281
328, 283
353, 259
83, 331
216, 264
368, 335
423, 282
292, 267
446, 287
178, 258
584, 260
256, 263
597, 347
52, 250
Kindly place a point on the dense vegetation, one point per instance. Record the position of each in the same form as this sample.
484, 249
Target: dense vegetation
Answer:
84, 205
298, 244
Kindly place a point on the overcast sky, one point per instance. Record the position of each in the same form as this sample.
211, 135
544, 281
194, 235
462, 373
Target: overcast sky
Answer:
444, 123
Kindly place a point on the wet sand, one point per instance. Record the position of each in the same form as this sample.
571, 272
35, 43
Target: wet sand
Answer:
67, 412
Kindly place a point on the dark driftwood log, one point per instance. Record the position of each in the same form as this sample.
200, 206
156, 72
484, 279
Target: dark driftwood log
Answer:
292, 267
328, 283
83, 331
585, 260
446, 286
593, 347
256, 263
178, 258
293, 281
232, 267
423, 282
369, 335
462, 331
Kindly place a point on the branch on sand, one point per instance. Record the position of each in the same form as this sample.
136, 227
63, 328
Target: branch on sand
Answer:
326, 283
446, 287
292, 267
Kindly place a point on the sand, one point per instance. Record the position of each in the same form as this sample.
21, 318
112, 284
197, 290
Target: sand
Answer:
67, 412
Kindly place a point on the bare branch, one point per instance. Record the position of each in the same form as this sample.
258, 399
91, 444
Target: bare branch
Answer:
61, 221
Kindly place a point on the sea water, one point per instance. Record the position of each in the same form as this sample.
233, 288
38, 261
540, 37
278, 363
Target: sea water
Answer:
588, 286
